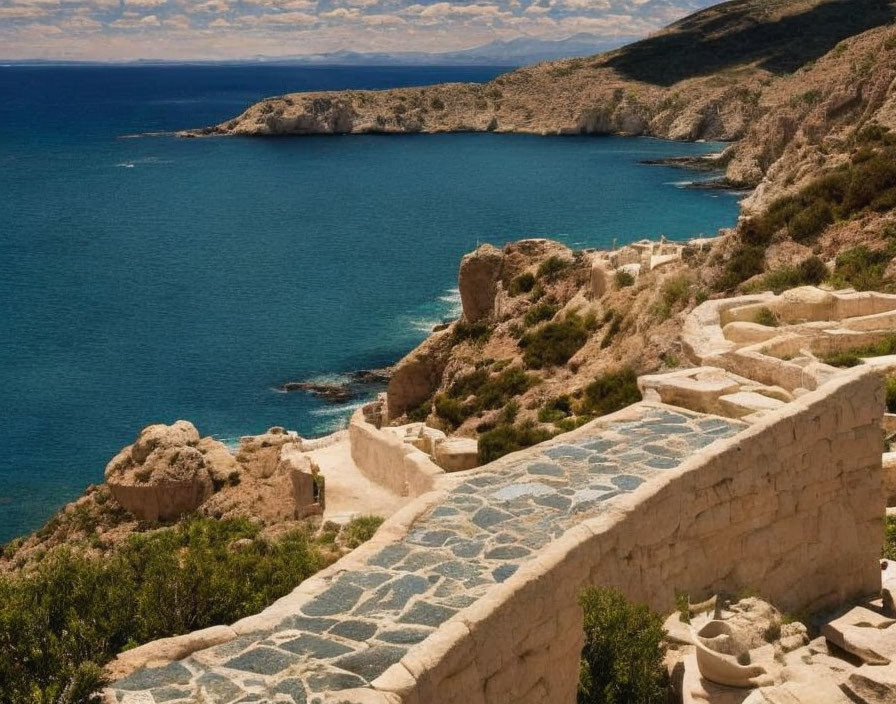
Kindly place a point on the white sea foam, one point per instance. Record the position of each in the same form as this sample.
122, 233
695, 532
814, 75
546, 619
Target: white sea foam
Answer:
452, 297
424, 325
340, 410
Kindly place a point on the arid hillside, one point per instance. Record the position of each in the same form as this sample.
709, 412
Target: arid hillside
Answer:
709, 76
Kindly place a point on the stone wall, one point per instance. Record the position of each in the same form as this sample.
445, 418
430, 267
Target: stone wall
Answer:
384, 459
791, 508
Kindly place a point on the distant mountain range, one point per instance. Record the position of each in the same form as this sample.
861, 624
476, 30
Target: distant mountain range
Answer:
513, 52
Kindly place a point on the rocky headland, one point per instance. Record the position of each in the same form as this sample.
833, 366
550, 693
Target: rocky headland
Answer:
551, 338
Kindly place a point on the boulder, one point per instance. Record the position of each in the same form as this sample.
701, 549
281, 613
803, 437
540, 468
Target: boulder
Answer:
181, 433
163, 475
260, 454
873, 684
600, 278
478, 282
418, 375
866, 634
457, 454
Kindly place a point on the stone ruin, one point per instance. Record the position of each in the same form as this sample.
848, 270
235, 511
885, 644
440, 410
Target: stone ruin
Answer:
750, 653
637, 258
170, 471
759, 469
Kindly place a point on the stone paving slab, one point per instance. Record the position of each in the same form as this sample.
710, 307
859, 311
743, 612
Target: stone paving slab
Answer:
489, 524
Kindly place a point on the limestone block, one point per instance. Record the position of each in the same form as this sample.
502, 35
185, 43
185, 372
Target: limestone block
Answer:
478, 281
873, 684
888, 586
749, 333
743, 403
457, 454
864, 633
600, 279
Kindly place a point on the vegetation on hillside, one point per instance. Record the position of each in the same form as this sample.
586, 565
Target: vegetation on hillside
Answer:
556, 342
889, 552
61, 621
608, 393
622, 660
852, 358
481, 390
865, 184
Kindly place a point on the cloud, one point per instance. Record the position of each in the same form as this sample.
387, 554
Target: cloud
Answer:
144, 3
137, 22
21, 13
235, 28
382, 20
282, 18
177, 22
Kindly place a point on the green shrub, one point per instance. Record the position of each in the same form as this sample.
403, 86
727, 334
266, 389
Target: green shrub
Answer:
624, 279
611, 392
506, 438
420, 413
69, 616
437, 104
552, 267
747, 261
555, 410
622, 660
889, 552
891, 394
498, 390
674, 293
766, 317
359, 530
539, 313
862, 268
490, 391
477, 332
522, 284
812, 272
852, 358
451, 410
555, 343
615, 327
867, 182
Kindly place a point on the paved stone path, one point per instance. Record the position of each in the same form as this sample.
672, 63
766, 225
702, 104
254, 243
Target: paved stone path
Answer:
489, 525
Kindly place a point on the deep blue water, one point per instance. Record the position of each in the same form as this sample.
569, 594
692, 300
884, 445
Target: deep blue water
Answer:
150, 279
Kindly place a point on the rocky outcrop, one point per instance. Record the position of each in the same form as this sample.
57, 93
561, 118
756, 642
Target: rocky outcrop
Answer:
170, 471
478, 279
779, 74
163, 475
419, 374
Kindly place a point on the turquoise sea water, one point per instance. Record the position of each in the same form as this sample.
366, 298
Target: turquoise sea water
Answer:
146, 279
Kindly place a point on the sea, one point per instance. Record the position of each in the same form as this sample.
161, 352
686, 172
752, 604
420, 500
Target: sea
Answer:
146, 278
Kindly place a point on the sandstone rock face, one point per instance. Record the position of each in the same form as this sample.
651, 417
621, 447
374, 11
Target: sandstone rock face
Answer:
163, 475
478, 282
260, 454
418, 375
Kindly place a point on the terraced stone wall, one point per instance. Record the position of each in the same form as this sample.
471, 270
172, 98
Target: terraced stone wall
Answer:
389, 462
791, 508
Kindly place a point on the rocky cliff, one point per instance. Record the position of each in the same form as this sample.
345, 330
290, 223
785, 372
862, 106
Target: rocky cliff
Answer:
749, 69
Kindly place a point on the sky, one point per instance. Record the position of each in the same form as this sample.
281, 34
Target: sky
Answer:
230, 29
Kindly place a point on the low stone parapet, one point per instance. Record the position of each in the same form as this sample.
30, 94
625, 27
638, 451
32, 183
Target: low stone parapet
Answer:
486, 570
389, 461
